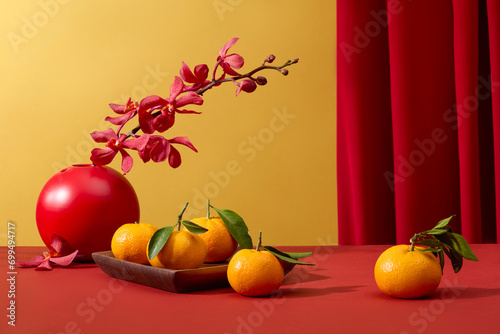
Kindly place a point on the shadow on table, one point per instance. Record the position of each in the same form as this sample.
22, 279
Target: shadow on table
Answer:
219, 291
289, 292
80, 265
302, 277
290, 287
471, 292
302, 292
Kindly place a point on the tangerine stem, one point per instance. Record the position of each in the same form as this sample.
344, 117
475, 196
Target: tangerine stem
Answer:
208, 209
259, 242
413, 241
179, 218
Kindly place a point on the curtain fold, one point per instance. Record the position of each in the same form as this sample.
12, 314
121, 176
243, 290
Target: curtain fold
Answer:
364, 130
466, 57
414, 144
493, 7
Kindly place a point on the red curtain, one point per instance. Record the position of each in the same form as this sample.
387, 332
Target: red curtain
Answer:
418, 125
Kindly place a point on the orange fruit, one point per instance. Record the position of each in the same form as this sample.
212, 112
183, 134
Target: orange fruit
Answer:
130, 242
254, 273
220, 243
183, 250
403, 274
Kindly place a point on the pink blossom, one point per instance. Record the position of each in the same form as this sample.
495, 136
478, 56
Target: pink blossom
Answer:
103, 156
128, 111
59, 253
166, 119
232, 61
160, 149
198, 78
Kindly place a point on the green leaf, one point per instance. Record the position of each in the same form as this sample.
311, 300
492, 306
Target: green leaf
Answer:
452, 244
193, 227
158, 240
437, 231
295, 256
463, 247
430, 243
236, 226
458, 243
455, 258
458, 261
298, 255
441, 260
286, 258
443, 223
429, 250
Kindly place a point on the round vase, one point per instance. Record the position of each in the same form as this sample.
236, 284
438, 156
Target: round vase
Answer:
85, 204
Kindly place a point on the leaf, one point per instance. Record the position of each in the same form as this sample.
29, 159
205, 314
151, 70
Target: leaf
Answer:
430, 243
458, 243
158, 240
455, 258
437, 231
298, 255
458, 261
286, 258
441, 260
295, 256
464, 248
193, 227
452, 244
443, 223
429, 250
236, 226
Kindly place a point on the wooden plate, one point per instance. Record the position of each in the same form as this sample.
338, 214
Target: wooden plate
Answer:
208, 276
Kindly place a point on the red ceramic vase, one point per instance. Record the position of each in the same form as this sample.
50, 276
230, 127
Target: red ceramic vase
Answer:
85, 204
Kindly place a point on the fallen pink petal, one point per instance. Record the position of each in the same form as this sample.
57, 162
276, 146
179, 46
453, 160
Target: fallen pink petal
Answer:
57, 248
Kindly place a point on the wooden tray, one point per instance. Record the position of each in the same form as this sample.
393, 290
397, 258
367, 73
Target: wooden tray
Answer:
208, 276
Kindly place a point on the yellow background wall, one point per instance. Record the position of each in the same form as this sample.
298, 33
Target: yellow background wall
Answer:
62, 62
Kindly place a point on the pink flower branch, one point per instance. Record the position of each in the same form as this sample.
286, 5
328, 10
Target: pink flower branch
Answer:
157, 114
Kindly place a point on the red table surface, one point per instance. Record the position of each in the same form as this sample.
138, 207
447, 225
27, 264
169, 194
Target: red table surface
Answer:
338, 295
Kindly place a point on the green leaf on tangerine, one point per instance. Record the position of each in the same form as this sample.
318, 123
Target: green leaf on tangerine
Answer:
158, 240
430, 243
458, 243
193, 227
236, 226
285, 257
456, 259
298, 255
464, 248
295, 256
428, 250
441, 260
437, 231
443, 223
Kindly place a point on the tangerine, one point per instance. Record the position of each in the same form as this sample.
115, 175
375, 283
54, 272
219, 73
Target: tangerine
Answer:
183, 250
402, 273
130, 242
254, 273
220, 243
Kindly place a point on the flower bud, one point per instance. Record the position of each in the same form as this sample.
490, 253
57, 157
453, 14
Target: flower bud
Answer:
261, 81
284, 72
270, 59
